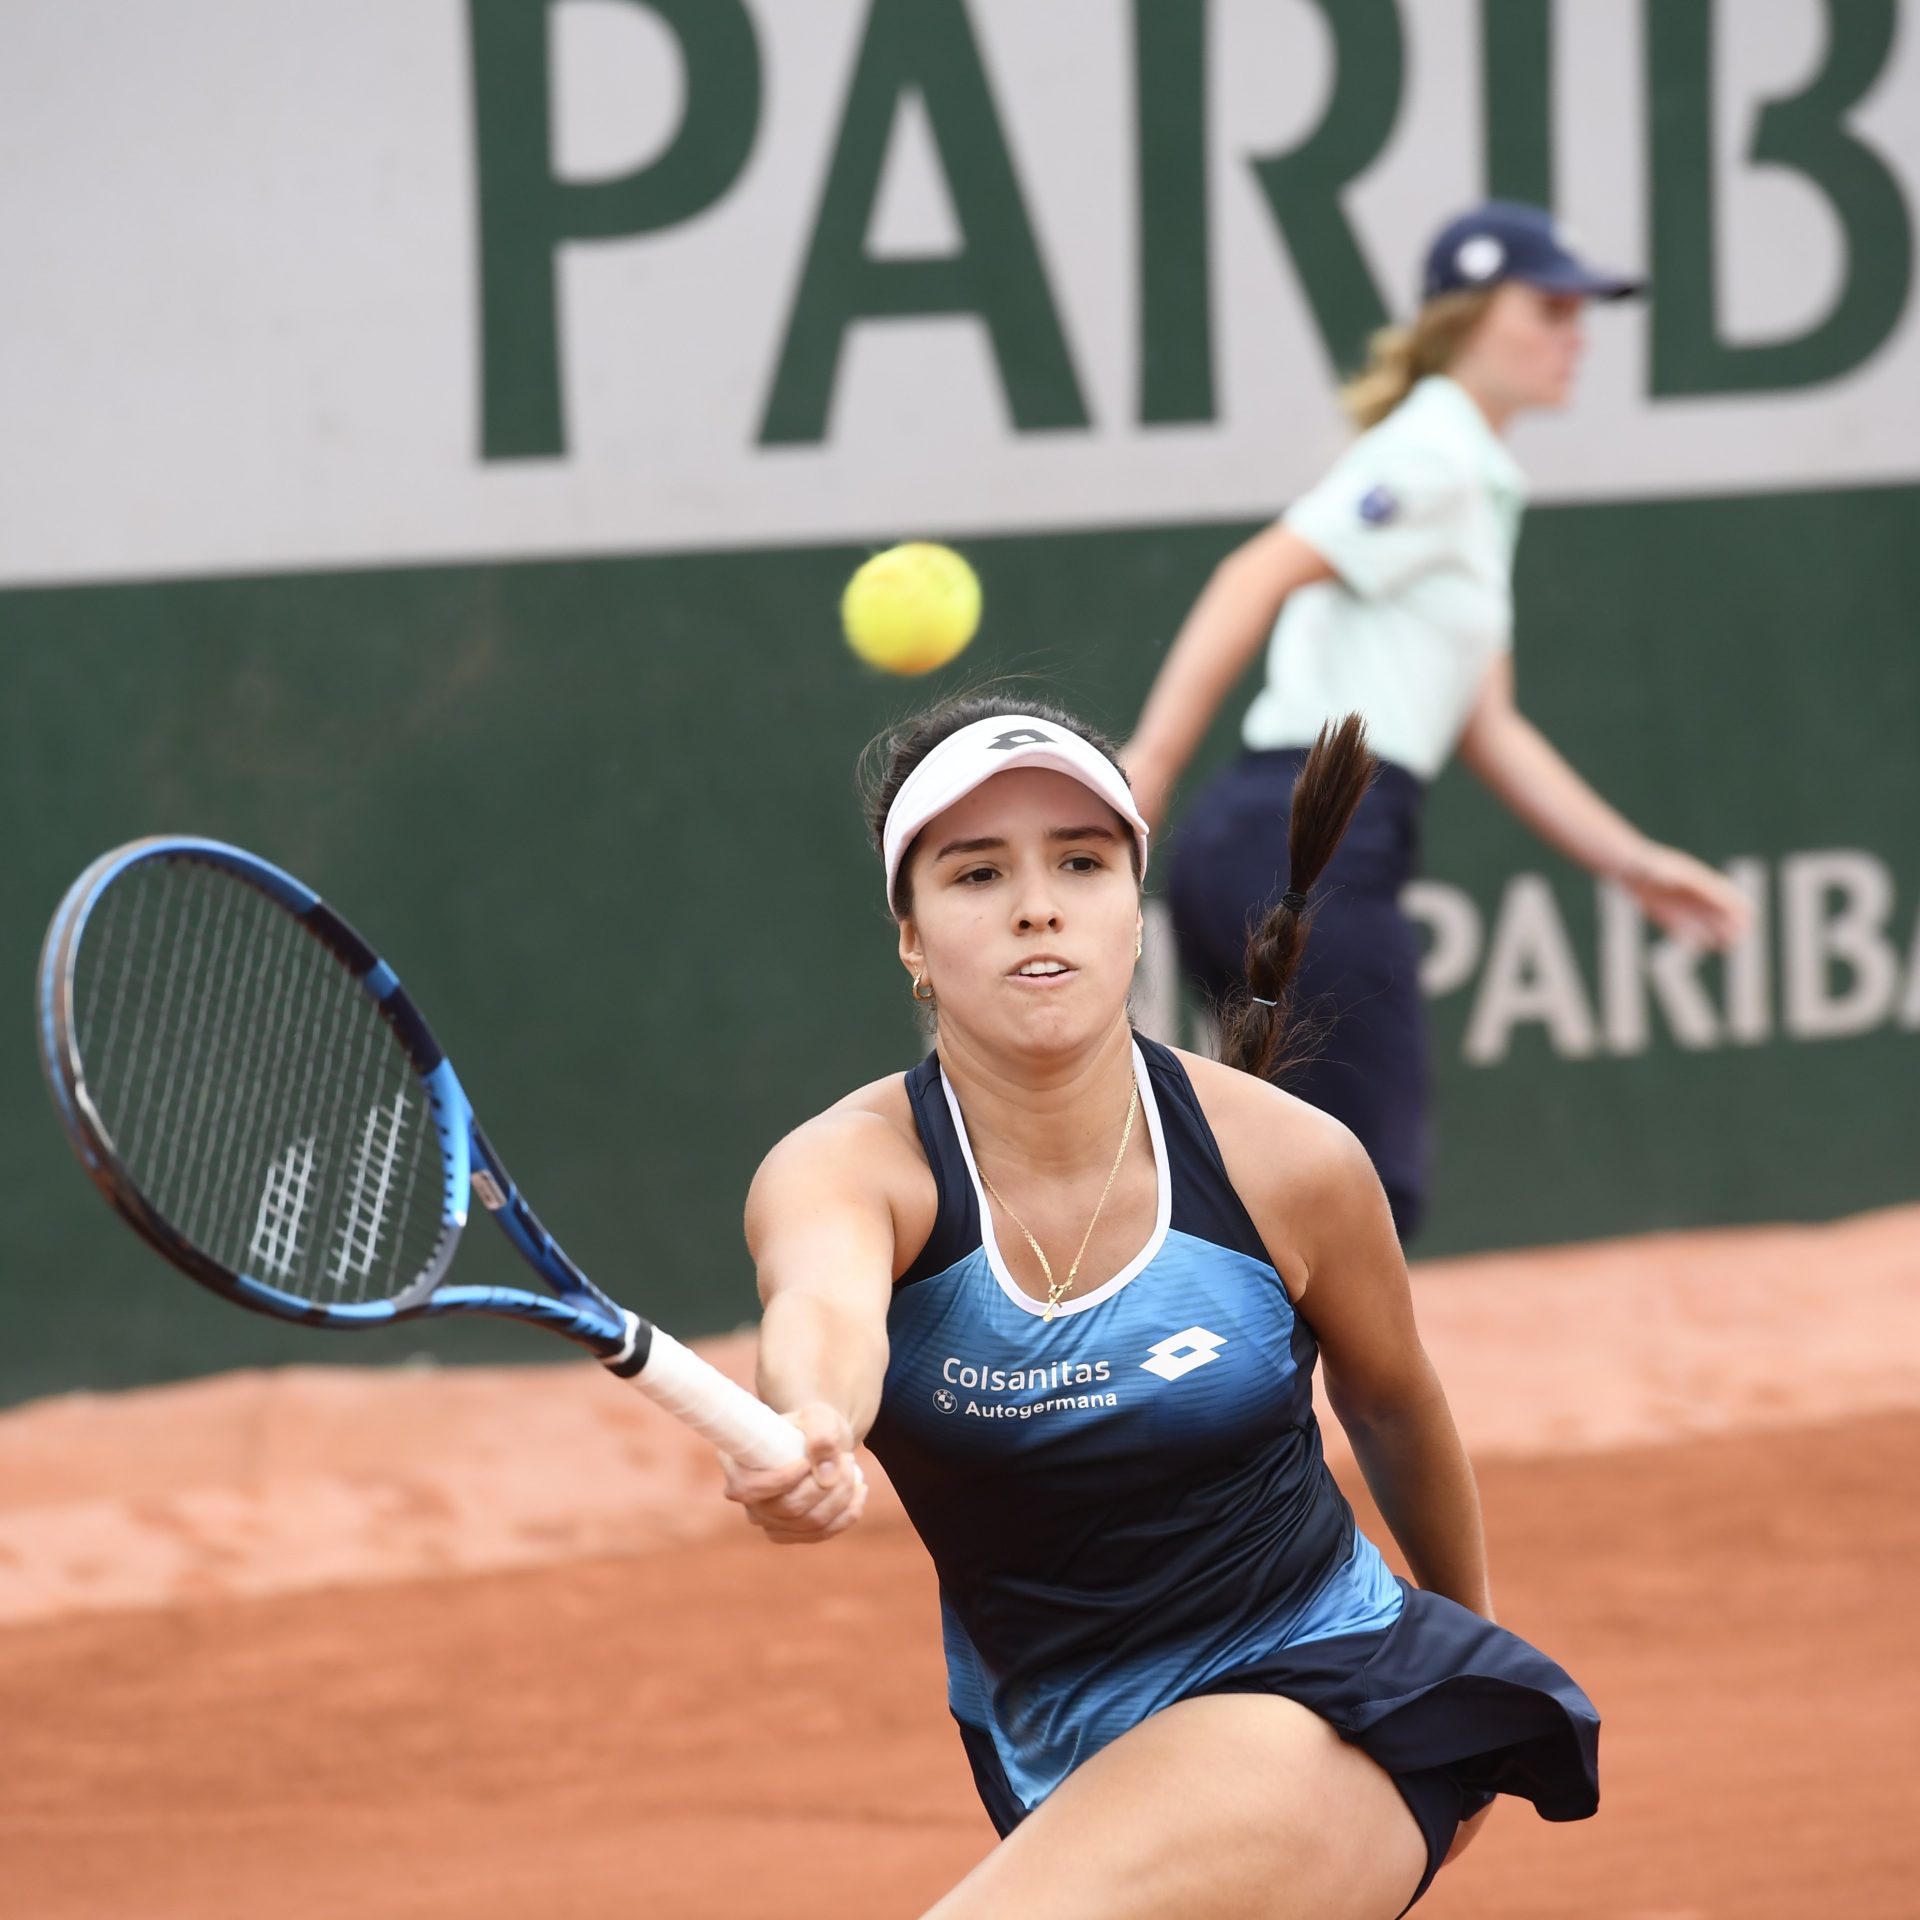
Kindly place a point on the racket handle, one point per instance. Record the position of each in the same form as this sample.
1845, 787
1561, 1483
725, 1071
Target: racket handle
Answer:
701, 1396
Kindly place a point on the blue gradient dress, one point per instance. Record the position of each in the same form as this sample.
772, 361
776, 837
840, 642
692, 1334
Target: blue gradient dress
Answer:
1128, 1506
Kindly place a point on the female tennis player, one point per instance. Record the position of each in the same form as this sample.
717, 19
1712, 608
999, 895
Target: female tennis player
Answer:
1070, 1286
1387, 591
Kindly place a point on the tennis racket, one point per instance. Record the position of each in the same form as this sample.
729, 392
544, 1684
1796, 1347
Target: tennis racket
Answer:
248, 1083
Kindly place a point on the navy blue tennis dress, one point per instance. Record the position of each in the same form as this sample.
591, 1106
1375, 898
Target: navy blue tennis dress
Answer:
1128, 1506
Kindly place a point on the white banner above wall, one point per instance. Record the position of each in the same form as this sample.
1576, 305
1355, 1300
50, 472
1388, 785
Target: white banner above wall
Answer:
364, 284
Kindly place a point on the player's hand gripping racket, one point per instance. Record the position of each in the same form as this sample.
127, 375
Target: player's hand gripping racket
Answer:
249, 1084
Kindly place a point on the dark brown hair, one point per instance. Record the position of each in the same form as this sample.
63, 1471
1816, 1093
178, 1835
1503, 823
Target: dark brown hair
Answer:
1261, 1030
889, 757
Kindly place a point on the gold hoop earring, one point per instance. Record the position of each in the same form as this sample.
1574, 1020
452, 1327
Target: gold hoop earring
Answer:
923, 989
1139, 945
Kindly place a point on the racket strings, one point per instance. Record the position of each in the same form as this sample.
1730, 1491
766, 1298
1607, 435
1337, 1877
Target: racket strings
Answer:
250, 1088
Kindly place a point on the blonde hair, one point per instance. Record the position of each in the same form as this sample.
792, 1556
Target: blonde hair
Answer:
1398, 357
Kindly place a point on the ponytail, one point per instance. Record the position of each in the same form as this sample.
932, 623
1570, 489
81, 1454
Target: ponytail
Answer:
1400, 357
1258, 1030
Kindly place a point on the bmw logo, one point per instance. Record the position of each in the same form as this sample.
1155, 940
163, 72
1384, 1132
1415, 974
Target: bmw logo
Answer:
945, 1399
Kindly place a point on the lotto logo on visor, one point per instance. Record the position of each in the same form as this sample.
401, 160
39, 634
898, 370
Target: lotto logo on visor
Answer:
1179, 1353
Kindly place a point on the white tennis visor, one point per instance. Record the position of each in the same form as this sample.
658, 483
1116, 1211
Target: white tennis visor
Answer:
973, 755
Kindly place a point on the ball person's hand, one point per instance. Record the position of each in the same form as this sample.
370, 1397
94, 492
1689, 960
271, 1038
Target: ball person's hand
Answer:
1687, 898
808, 1500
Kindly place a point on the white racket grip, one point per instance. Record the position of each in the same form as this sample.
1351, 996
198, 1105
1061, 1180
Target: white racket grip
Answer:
744, 1428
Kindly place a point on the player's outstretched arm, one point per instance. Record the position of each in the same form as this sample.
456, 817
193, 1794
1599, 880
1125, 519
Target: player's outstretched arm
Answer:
820, 1226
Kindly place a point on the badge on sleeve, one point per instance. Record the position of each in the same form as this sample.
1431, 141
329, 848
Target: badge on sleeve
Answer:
1378, 506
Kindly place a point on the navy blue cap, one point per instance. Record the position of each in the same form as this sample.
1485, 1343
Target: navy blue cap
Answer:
1505, 240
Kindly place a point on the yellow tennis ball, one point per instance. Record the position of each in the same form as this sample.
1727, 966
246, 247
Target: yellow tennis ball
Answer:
912, 608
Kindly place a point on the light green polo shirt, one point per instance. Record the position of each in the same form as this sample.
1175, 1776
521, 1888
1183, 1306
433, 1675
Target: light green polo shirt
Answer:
1419, 520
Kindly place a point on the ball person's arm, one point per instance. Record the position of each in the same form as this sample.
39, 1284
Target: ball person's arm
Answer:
1216, 642
820, 1227
1523, 769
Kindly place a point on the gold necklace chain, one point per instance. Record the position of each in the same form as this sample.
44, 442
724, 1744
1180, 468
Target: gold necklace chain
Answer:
1057, 1290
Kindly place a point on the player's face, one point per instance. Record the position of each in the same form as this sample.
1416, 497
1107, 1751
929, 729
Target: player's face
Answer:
1026, 914
1526, 350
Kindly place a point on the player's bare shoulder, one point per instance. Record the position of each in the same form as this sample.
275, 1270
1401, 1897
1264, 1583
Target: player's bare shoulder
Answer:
868, 1131
1297, 1170
865, 1148
1286, 1136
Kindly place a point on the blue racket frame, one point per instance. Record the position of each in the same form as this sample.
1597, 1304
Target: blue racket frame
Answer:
576, 1309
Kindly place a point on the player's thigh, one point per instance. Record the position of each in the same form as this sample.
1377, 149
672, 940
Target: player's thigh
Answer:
1235, 1805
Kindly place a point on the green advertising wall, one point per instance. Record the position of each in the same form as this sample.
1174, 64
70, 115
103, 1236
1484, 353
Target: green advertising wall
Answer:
437, 469
601, 816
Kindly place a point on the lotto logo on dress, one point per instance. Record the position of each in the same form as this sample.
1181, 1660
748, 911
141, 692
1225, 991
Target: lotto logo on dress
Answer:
1180, 1353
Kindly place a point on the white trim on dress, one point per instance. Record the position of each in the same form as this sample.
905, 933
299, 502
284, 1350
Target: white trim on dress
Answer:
1163, 1210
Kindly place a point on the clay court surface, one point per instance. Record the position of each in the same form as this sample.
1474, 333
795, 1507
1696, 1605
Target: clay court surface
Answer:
486, 1644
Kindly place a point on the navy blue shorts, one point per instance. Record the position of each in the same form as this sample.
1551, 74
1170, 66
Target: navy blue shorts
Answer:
1455, 1709
1360, 975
